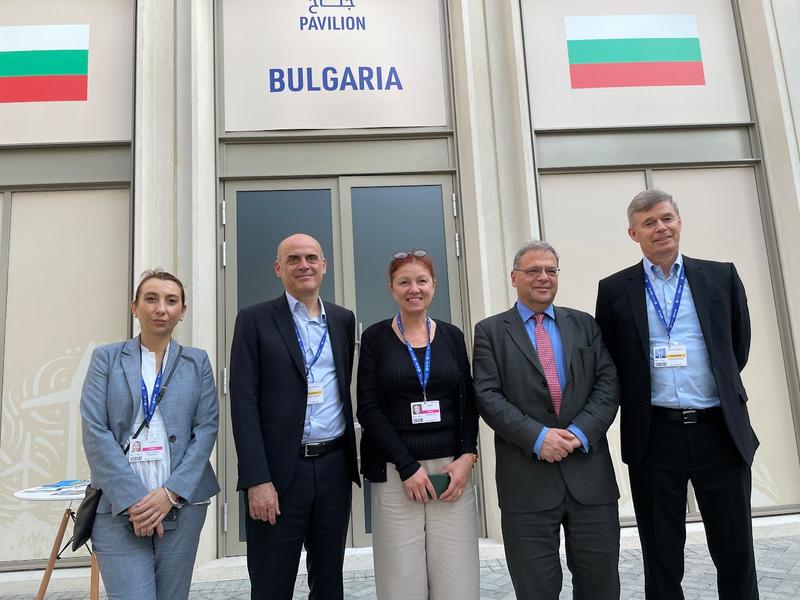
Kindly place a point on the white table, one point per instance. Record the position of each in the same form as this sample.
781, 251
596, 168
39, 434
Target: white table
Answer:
63, 494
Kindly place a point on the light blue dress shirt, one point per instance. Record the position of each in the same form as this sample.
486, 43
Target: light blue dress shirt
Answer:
688, 387
551, 327
324, 421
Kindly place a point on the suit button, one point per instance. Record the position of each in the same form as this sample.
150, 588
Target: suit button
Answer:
551, 411
172, 438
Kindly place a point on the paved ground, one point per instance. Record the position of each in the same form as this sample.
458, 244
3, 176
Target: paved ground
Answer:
777, 548
778, 567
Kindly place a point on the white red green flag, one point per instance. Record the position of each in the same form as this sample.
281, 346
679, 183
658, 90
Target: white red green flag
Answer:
633, 50
44, 63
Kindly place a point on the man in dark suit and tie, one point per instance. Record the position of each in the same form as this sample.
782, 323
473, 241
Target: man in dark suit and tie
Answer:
291, 364
546, 384
678, 329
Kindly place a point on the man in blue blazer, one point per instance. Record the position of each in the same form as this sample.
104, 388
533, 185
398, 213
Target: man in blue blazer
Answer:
291, 365
678, 329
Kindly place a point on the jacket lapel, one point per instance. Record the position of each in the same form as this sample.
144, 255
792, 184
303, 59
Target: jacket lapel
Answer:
697, 284
285, 325
566, 328
516, 329
634, 288
337, 340
131, 359
168, 408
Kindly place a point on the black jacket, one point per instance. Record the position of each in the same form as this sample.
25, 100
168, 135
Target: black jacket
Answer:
380, 443
721, 306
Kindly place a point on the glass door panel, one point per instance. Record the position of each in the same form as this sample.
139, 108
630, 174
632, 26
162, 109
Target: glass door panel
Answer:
259, 216
380, 216
390, 219
263, 219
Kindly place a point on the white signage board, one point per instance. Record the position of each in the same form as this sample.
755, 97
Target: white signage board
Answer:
623, 63
66, 71
332, 64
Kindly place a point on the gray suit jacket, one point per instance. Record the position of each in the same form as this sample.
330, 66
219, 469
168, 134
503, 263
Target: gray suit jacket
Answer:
110, 400
513, 398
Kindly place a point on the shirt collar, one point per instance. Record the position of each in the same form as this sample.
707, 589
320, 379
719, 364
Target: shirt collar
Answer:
651, 269
526, 312
295, 305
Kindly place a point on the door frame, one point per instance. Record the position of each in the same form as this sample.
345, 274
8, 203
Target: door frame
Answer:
342, 255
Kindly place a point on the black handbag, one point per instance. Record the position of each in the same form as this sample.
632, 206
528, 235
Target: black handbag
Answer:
87, 510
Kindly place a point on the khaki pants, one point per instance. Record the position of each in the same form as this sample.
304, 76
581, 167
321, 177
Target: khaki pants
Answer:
424, 551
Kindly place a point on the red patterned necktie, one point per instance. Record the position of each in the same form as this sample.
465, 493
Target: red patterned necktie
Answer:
545, 350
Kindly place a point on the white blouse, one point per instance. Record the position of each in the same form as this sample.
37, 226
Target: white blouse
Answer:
153, 473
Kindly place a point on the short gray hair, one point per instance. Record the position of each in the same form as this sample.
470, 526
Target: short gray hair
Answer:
530, 246
648, 199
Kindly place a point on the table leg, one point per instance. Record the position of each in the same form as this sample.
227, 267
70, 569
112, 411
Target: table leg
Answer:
94, 586
53, 555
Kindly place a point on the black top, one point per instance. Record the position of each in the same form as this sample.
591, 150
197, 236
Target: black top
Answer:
388, 384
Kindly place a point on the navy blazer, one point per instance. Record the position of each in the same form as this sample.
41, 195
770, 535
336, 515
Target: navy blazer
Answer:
269, 390
110, 401
721, 306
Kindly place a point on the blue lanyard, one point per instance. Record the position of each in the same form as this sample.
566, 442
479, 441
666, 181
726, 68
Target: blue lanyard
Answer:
149, 408
423, 377
303, 348
675, 304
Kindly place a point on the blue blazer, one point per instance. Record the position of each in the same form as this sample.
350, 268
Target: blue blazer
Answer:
110, 401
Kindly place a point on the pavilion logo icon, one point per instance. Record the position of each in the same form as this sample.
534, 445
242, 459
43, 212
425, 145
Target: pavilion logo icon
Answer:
609, 51
332, 15
316, 5
44, 63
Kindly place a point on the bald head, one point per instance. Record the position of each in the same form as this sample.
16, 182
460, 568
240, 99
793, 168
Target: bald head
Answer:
300, 265
298, 238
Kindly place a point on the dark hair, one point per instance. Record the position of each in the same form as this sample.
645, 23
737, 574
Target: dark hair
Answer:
163, 276
411, 258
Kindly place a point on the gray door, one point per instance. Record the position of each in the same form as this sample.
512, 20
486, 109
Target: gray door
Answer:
360, 222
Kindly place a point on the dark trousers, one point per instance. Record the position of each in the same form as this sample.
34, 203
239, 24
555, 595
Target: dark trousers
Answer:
591, 535
704, 454
315, 511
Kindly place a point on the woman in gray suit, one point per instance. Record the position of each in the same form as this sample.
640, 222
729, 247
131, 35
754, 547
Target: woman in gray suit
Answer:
154, 496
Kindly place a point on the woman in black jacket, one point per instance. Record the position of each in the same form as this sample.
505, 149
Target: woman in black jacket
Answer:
416, 405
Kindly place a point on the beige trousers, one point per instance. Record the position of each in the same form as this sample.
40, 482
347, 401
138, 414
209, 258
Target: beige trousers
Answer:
424, 551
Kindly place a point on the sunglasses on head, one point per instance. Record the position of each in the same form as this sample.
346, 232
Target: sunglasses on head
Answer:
402, 255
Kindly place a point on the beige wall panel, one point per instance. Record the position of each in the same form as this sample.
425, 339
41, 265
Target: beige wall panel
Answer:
554, 104
67, 292
584, 218
107, 115
722, 221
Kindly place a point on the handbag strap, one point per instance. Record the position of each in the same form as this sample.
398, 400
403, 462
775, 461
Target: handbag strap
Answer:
161, 393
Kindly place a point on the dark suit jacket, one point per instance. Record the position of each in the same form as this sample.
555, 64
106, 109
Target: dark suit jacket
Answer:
514, 400
269, 389
721, 305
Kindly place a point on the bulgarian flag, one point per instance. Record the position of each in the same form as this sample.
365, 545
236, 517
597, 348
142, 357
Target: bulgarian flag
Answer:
633, 50
44, 63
